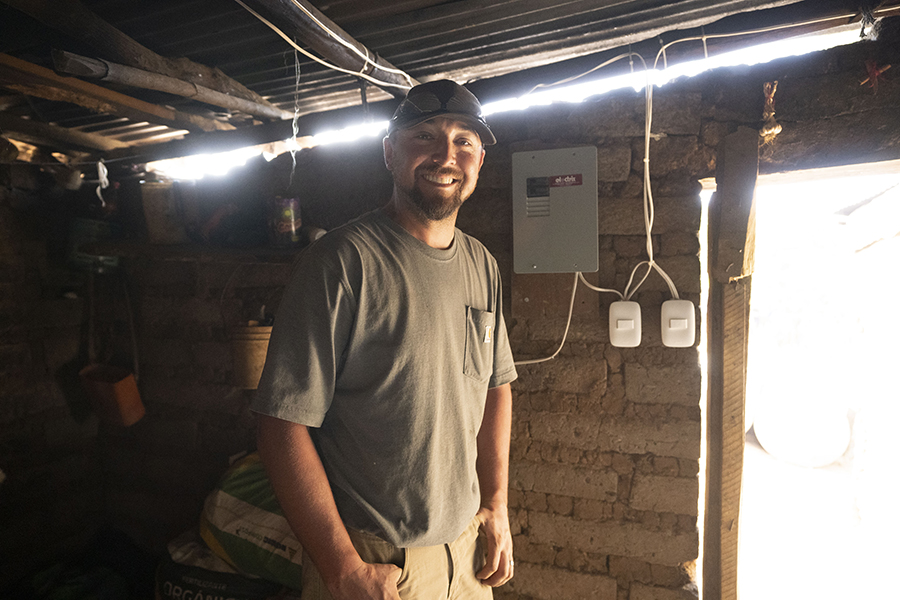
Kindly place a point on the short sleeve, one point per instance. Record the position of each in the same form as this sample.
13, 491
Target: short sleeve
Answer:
308, 340
504, 365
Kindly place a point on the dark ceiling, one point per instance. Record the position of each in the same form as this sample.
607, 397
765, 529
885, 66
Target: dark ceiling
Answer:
498, 47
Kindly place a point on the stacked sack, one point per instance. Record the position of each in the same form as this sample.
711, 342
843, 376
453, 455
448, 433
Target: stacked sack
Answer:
247, 552
243, 524
193, 572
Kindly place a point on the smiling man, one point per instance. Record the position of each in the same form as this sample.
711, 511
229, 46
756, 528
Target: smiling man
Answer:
385, 404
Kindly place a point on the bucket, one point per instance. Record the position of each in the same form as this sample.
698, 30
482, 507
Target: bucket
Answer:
112, 390
113, 393
248, 350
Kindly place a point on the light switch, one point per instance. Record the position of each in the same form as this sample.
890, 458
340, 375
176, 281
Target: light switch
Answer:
625, 324
677, 322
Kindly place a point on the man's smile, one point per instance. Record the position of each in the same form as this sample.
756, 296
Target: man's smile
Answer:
441, 176
439, 179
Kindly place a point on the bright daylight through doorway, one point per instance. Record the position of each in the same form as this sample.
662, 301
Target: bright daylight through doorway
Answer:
820, 462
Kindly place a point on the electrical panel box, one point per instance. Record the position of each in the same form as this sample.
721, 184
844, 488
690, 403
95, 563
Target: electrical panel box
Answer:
555, 211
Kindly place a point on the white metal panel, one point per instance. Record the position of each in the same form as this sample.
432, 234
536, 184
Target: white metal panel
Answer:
555, 211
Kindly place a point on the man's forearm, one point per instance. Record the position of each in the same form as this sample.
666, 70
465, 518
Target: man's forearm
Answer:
301, 486
493, 447
492, 466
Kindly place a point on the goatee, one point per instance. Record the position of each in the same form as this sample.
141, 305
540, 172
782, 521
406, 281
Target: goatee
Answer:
435, 207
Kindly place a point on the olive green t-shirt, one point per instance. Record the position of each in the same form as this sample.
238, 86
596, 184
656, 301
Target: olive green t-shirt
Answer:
385, 347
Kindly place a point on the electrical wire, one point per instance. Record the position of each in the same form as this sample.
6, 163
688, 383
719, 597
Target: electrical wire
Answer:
599, 289
648, 215
366, 60
344, 42
628, 54
708, 36
648, 205
565, 333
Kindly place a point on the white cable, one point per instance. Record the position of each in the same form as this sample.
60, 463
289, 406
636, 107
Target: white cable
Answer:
649, 211
565, 333
347, 44
703, 38
102, 173
627, 295
765, 30
327, 64
672, 289
598, 67
599, 289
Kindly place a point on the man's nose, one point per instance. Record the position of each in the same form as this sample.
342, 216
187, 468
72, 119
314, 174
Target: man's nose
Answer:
444, 151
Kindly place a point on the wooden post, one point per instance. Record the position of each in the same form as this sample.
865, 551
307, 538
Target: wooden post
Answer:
731, 242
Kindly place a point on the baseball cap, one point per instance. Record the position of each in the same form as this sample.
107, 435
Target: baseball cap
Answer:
442, 98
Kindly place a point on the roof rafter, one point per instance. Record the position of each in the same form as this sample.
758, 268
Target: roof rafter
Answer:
74, 19
34, 80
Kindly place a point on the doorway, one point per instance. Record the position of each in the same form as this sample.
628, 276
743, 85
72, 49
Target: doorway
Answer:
822, 407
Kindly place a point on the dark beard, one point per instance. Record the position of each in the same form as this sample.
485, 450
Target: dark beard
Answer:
436, 208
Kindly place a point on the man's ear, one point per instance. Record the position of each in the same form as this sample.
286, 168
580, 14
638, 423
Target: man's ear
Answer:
388, 152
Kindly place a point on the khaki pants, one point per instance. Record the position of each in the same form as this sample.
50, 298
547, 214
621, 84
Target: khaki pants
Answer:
428, 573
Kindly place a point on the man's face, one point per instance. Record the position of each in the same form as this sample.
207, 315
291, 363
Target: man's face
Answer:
435, 165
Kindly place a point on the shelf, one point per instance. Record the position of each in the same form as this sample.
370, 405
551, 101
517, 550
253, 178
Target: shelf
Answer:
190, 252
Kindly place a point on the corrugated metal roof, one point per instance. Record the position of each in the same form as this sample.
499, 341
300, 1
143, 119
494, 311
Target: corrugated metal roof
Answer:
462, 39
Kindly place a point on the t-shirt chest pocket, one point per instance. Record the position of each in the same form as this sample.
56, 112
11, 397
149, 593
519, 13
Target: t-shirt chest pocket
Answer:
479, 361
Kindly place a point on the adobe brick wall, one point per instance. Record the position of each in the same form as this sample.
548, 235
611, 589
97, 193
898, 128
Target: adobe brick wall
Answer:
606, 441
52, 498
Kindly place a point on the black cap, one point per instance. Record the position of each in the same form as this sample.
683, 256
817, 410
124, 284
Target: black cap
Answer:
442, 98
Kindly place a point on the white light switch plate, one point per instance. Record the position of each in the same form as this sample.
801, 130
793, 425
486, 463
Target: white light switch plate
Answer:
678, 325
625, 324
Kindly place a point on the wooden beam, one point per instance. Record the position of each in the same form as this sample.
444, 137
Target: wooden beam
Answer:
302, 20
35, 80
82, 66
206, 143
11, 100
731, 227
74, 19
276, 131
43, 134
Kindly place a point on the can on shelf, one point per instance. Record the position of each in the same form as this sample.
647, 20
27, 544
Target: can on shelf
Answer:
285, 222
